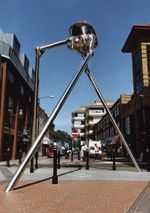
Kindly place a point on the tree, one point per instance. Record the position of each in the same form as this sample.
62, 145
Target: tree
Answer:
62, 136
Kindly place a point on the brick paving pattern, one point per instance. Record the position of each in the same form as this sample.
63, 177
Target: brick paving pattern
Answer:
77, 196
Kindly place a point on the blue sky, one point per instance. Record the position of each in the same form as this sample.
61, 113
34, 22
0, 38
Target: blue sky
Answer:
37, 22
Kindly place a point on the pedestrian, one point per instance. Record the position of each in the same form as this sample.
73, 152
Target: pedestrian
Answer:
96, 149
66, 150
83, 152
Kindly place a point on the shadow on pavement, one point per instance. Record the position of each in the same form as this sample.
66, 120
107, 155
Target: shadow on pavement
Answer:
45, 179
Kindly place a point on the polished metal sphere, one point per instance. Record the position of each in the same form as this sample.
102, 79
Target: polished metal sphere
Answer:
82, 38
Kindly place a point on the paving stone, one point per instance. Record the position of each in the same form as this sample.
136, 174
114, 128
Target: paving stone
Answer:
76, 196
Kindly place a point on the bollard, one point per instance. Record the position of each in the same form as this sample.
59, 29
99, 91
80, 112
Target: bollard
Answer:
87, 160
79, 155
8, 158
20, 156
32, 165
55, 177
58, 160
72, 155
36, 160
114, 159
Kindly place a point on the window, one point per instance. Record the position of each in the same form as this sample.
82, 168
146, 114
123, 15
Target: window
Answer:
96, 111
137, 71
148, 62
22, 90
138, 84
11, 77
117, 111
80, 115
10, 104
30, 99
127, 125
77, 122
1, 71
16, 45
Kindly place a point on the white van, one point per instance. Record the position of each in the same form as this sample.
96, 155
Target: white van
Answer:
92, 148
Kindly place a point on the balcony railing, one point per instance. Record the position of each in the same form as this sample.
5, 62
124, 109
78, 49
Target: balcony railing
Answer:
96, 114
82, 134
79, 126
93, 122
77, 118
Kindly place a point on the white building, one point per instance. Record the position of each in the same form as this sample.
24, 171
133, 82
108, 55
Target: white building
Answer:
84, 118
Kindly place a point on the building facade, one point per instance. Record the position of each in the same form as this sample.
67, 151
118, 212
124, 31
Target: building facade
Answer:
134, 113
41, 121
104, 129
84, 119
16, 96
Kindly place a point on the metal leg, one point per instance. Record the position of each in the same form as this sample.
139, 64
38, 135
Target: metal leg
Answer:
87, 71
55, 176
53, 115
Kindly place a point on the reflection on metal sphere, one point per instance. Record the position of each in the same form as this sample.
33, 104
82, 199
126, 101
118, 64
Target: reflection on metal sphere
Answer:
82, 38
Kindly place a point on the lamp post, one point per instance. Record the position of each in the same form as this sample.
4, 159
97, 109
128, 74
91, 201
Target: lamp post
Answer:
38, 53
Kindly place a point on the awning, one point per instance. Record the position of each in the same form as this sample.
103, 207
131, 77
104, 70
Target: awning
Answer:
116, 140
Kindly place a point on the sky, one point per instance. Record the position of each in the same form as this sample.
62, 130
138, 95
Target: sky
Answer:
38, 23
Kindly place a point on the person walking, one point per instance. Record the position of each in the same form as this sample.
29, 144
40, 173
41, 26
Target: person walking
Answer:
83, 152
96, 149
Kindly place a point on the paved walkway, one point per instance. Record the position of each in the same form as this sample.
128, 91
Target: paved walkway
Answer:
78, 190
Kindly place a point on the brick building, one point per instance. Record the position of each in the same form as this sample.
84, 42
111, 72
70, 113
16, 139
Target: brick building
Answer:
16, 95
133, 116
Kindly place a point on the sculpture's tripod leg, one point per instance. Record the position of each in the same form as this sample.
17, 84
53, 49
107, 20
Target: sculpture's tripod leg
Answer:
112, 119
53, 115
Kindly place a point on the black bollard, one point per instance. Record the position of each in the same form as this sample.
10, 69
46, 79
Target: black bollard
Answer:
8, 158
36, 160
55, 177
58, 160
79, 155
114, 159
72, 155
32, 166
20, 156
87, 160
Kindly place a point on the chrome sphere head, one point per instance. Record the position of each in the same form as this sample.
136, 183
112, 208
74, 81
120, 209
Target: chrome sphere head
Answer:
82, 38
